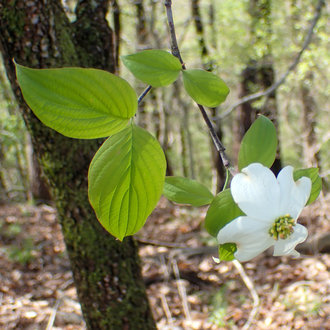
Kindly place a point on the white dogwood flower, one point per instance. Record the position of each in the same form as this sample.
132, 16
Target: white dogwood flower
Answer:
272, 207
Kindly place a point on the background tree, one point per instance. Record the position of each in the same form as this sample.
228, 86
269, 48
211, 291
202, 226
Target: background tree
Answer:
259, 72
51, 40
106, 272
14, 140
209, 65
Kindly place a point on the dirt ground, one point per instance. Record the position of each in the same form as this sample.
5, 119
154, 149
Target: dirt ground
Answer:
187, 289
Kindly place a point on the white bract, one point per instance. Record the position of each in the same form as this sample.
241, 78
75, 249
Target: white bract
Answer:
272, 207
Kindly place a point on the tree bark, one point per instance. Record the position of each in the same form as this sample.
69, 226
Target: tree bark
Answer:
141, 26
106, 272
311, 149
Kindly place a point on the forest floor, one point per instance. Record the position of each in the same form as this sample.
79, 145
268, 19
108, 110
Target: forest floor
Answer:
186, 288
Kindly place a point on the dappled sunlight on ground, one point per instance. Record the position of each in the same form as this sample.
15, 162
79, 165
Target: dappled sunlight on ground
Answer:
187, 289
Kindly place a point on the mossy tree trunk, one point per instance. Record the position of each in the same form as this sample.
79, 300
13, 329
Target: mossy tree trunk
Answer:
106, 272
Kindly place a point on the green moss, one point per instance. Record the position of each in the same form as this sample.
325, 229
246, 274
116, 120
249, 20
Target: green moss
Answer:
106, 271
14, 18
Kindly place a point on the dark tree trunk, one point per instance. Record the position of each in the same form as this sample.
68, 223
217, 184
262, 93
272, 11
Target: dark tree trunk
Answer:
310, 145
107, 273
197, 18
3, 189
116, 14
141, 26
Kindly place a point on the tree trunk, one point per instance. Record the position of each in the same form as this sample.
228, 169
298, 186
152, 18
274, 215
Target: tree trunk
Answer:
141, 26
106, 272
258, 75
311, 148
21, 155
3, 189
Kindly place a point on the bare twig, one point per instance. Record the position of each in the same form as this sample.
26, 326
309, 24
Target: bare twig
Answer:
182, 290
249, 284
174, 43
295, 285
185, 252
159, 243
218, 145
176, 52
144, 93
53, 315
280, 81
166, 308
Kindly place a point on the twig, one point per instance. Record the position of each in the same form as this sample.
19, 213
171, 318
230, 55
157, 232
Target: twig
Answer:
176, 52
174, 43
144, 93
159, 243
53, 315
293, 65
295, 285
249, 284
166, 308
186, 252
218, 145
182, 290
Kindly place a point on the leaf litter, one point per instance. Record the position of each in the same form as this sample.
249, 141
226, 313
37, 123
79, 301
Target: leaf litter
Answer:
186, 288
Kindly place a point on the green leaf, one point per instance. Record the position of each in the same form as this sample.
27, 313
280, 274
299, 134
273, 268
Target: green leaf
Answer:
205, 87
259, 144
78, 103
126, 179
154, 67
313, 174
226, 251
186, 191
222, 210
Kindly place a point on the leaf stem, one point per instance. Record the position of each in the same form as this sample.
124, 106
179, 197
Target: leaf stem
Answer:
176, 52
226, 181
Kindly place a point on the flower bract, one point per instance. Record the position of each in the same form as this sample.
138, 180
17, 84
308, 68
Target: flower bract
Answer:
272, 206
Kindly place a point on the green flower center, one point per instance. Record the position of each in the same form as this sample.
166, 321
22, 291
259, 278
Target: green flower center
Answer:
282, 227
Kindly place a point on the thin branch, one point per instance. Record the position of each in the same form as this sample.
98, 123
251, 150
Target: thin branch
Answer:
249, 284
293, 65
53, 315
220, 148
176, 52
182, 290
144, 93
159, 243
174, 43
166, 309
